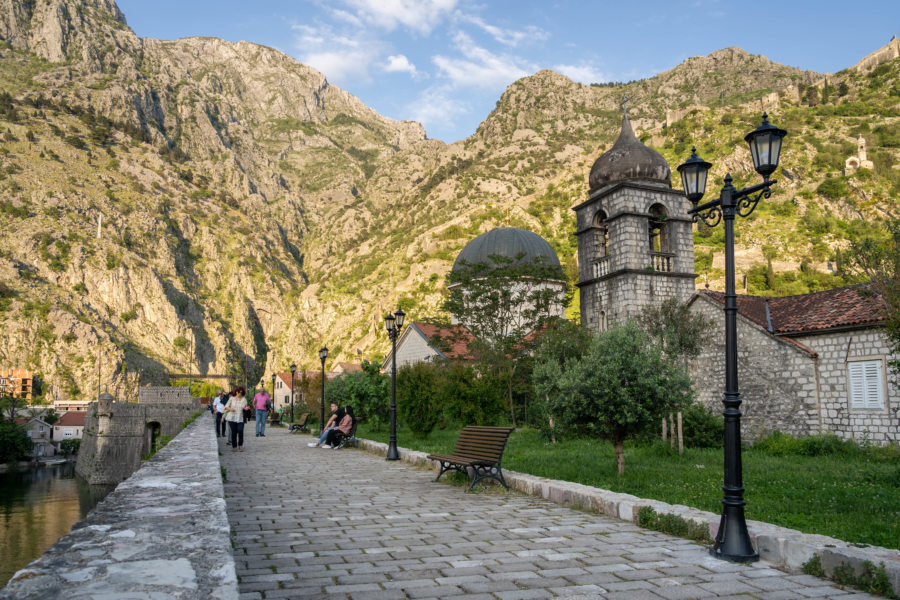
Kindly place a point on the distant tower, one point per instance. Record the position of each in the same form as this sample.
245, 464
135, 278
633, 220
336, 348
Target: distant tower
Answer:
635, 245
861, 160
861, 149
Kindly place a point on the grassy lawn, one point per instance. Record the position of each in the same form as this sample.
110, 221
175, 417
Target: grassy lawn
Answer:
852, 498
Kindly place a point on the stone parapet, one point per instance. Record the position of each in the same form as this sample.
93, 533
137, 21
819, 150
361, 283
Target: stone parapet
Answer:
784, 548
162, 533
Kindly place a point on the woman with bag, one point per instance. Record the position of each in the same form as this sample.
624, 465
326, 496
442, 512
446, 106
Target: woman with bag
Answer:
234, 415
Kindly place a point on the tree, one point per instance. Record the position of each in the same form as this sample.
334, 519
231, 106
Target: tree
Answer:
69, 447
500, 302
419, 399
676, 330
618, 389
877, 258
14, 443
9, 406
812, 95
369, 393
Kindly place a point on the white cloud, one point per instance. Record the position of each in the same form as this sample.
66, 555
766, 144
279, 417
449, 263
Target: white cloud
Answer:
436, 107
508, 37
398, 63
419, 15
338, 57
582, 73
480, 67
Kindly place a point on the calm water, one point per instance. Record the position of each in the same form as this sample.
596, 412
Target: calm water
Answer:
39, 506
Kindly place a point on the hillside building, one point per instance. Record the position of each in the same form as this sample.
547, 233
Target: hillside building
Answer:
861, 160
18, 383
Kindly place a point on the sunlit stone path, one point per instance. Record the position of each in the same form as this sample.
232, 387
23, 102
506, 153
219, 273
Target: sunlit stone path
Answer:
314, 523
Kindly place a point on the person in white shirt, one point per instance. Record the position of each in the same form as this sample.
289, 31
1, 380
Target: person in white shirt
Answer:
219, 406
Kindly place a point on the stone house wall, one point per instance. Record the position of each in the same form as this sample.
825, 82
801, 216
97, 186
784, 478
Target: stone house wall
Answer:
836, 350
163, 394
776, 378
411, 348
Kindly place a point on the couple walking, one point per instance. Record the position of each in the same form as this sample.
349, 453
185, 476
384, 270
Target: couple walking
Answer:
234, 412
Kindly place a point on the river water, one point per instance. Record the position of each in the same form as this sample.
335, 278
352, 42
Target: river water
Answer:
39, 506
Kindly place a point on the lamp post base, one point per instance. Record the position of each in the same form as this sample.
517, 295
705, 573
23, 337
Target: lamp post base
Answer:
393, 453
733, 540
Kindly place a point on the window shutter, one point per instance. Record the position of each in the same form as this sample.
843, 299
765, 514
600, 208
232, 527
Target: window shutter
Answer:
866, 385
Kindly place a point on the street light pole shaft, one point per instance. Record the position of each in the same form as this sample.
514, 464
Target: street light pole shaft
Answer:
732, 539
393, 453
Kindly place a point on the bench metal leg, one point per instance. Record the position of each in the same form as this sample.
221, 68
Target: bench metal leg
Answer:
487, 472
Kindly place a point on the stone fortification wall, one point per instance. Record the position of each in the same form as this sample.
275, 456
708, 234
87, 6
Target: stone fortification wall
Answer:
163, 395
118, 434
163, 533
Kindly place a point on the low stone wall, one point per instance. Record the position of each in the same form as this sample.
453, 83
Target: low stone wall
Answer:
162, 533
785, 548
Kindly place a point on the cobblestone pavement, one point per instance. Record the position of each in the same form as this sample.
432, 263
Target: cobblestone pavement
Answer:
348, 524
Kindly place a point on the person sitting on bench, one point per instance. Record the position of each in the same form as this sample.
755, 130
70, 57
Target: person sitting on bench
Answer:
336, 415
333, 439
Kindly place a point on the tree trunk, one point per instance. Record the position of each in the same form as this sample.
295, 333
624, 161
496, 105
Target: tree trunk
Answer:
512, 408
619, 445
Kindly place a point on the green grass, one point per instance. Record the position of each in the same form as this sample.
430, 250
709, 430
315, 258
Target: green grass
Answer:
849, 497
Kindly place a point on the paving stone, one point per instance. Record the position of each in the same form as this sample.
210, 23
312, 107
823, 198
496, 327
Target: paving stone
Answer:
384, 531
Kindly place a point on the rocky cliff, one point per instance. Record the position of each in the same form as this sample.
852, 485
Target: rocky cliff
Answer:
252, 212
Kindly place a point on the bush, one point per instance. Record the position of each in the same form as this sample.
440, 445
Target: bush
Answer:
702, 428
69, 447
470, 399
14, 443
419, 397
827, 444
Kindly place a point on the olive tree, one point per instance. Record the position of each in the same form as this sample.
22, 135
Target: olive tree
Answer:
620, 386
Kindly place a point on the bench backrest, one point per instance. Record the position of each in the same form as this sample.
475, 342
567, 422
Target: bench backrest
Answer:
303, 419
482, 443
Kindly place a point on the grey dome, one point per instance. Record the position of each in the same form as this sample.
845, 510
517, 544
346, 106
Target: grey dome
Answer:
629, 160
510, 242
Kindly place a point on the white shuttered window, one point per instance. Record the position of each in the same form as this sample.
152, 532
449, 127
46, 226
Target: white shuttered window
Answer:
866, 384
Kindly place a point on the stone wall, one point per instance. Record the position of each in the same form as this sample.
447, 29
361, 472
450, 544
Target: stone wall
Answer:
116, 437
776, 379
159, 394
836, 350
163, 533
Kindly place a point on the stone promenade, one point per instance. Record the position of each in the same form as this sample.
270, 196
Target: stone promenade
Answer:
315, 523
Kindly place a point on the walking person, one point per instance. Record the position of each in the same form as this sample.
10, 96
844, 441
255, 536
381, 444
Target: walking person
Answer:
234, 414
262, 403
218, 405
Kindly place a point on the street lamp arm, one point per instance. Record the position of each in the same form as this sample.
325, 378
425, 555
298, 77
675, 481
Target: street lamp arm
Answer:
746, 202
710, 213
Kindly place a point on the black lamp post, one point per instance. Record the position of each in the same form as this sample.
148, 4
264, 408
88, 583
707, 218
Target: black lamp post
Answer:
293, 370
394, 323
323, 354
273, 398
733, 540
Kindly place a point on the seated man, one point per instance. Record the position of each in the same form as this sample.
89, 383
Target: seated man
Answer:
335, 435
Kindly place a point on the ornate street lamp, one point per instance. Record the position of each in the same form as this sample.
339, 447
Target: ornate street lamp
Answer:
394, 323
323, 354
273, 397
293, 370
733, 540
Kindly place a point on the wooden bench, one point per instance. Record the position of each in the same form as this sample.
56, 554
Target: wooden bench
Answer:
478, 448
300, 425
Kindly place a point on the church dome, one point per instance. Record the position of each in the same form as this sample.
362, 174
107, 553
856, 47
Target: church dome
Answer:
518, 244
629, 160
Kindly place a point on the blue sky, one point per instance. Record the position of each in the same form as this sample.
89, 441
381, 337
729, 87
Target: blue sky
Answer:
445, 63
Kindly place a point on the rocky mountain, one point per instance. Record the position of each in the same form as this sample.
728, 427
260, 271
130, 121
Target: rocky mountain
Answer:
252, 212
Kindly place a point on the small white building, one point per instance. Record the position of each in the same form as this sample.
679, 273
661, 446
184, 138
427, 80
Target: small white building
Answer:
861, 160
40, 433
424, 342
70, 426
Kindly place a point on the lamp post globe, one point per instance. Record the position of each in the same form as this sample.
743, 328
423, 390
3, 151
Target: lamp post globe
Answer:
323, 354
393, 323
732, 539
293, 370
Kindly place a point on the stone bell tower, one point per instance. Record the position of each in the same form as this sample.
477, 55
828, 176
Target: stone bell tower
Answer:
635, 243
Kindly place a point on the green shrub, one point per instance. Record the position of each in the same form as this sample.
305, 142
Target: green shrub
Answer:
419, 397
702, 428
14, 442
69, 447
827, 444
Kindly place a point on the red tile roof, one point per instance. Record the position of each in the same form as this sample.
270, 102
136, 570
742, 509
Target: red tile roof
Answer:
851, 306
73, 418
440, 336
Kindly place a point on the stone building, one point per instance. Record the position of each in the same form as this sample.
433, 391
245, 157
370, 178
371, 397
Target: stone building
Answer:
635, 245
69, 426
861, 160
807, 364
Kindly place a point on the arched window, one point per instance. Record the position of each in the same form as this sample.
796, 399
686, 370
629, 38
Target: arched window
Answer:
659, 234
601, 235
